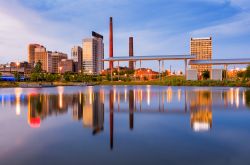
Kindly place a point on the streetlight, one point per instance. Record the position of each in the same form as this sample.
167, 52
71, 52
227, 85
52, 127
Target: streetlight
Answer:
17, 66
60, 70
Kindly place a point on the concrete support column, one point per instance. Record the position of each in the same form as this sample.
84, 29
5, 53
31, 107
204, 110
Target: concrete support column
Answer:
140, 69
111, 73
118, 71
185, 69
160, 70
135, 71
226, 67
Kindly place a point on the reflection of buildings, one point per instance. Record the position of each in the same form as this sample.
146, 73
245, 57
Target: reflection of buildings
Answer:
43, 105
88, 106
93, 111
77, 109
201, 109
201, 120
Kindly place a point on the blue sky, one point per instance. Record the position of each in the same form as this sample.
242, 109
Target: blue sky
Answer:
158, 26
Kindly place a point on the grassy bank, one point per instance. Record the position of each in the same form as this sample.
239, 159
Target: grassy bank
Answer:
8, 84
167, 82
18, 84
180, 82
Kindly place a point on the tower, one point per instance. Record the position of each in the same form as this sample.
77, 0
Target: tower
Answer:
131, 53
111, 42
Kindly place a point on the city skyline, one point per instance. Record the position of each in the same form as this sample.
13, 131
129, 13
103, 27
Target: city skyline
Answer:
154, 32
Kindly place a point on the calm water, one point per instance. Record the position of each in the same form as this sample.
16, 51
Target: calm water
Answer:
125, 125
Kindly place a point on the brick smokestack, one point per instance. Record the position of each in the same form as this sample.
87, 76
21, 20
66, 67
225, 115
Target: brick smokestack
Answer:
131, 52
111, 42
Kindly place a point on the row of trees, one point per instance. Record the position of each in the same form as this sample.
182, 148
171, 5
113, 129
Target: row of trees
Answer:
241, 74
38, 75
244, 74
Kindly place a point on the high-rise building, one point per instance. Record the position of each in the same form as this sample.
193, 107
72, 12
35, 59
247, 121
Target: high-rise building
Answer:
56, 58
41, 55
202, 48
31, 52
93, 53
65, 65
76, 54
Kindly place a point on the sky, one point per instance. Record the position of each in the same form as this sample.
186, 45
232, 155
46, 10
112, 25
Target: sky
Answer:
159, 27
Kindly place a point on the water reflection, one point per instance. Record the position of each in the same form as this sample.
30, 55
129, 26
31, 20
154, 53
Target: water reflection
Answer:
90, 104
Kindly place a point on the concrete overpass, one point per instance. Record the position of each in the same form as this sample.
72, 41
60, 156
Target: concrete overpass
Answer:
159, 58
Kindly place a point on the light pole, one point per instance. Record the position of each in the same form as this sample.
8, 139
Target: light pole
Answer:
60, 72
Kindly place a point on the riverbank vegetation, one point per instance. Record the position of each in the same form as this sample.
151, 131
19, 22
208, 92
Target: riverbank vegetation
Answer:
67, 79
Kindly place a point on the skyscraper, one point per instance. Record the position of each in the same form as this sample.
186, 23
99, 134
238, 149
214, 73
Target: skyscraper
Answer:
56, 58
76, 54
202, 48
93, 53
31, 52
41, 55
65, 65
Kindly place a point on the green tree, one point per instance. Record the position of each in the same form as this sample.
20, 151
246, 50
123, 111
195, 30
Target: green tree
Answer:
38, 67
206, 74
67, 76
247, 73
17, 76
50, 77
34, 76
241, 74
108, 77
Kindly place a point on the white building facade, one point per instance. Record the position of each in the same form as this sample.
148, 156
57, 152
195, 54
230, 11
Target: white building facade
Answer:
92, 54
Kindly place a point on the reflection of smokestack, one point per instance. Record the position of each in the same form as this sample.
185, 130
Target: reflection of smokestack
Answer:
131, 109
111, 119
131, 53
111, 42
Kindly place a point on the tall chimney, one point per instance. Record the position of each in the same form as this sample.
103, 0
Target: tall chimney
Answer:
111, 42
131, 53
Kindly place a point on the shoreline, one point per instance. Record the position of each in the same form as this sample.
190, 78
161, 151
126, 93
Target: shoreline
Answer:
203, 83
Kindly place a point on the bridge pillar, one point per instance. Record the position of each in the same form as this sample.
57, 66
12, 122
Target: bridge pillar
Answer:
185, 69
226, 67
118, 72
140, 70
111, 73
159, 69
162, 68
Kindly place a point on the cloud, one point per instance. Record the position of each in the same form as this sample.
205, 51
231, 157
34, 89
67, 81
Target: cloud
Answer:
238, 25
22, 26
162, 27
